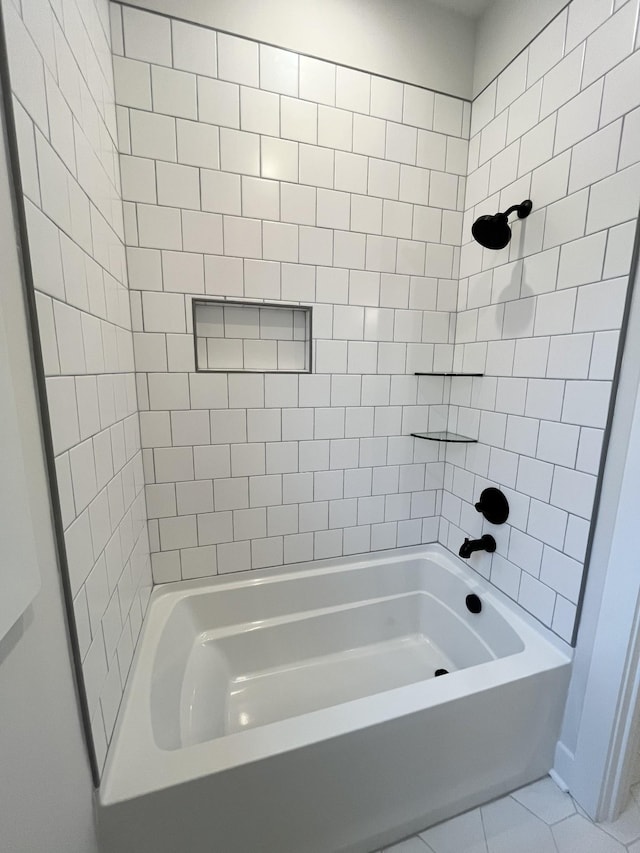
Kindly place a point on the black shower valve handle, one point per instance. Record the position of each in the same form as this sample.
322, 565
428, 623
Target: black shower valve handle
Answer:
493, 505
483, 504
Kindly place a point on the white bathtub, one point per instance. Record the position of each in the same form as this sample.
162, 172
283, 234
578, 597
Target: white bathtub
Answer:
296, 710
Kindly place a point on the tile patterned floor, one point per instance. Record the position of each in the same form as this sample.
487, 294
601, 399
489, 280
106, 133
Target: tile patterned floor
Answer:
537, 819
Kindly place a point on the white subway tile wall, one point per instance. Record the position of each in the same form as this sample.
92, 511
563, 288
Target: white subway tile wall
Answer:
541, 318
334, 189
61, 77
342, 190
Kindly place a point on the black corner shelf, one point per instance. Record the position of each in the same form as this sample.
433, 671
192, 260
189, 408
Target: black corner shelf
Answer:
431, 373
446, 437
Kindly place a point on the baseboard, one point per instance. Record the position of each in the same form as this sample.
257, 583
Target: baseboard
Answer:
561, 772
559, 781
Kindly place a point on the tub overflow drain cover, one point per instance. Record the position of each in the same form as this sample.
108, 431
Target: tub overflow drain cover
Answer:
442, 672
473, 603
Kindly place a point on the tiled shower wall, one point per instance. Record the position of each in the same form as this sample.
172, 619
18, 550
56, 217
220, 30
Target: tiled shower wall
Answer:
250, 172
541, 318
62, 87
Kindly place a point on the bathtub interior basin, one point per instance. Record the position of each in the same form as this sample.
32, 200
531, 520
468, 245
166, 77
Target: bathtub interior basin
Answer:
232, 659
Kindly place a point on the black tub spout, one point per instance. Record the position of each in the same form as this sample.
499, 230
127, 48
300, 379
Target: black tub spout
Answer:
485, 543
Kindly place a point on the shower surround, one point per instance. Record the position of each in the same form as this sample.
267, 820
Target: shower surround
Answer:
542, 317
249, 172
342, 189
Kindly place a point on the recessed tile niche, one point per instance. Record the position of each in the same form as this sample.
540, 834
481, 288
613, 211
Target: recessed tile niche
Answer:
251, 337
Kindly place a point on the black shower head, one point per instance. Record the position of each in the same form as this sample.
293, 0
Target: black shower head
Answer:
493, 232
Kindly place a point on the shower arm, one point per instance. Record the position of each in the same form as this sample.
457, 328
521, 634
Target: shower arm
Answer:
523, 209
511, 210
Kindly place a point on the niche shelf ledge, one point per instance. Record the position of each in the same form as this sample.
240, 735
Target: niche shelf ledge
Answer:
436, 373
446, 437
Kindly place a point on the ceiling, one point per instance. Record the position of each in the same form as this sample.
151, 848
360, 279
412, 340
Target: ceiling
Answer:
471, 8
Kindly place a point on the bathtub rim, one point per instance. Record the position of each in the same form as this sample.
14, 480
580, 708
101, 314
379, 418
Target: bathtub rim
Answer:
433, 550
136, 766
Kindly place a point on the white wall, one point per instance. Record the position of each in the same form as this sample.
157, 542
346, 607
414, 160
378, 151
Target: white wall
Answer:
600, 663
333, 195
541, 317
504, 30
409, 40
45, 783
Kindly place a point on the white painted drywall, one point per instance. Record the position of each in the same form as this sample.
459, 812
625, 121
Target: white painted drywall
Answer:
19, 577
45, 784
410, 40
504, 30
